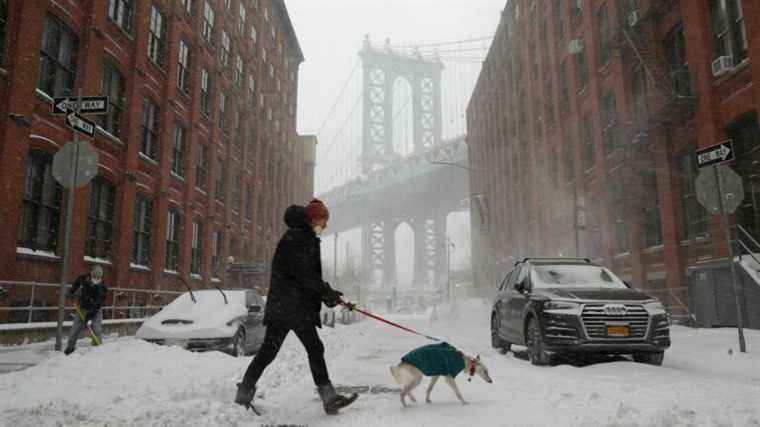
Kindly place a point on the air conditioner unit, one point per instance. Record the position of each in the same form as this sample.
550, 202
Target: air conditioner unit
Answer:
722, 65
575, 46
633, 18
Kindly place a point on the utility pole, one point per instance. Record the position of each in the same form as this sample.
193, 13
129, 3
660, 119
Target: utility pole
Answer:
335, 260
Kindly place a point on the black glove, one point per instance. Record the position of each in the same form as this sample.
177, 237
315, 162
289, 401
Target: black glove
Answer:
331, 297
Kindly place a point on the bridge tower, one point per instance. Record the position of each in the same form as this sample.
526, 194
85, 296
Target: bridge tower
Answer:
382, 67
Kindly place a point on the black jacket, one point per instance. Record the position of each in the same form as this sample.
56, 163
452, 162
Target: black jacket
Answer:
296, 288
92, 297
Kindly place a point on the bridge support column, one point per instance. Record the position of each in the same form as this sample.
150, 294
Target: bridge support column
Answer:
389, 252
420, 265
438, 257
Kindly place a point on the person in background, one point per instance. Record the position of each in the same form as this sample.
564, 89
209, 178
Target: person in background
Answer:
296, 294
92, 294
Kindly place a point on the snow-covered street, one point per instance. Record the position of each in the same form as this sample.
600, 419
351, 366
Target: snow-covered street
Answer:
131, 382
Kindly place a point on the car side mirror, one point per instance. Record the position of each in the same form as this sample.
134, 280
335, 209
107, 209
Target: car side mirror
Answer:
628, 284
254, 309
520, 287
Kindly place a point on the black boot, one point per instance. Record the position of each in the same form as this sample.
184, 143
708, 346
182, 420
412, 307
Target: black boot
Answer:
68, 351
332, 401
244, 396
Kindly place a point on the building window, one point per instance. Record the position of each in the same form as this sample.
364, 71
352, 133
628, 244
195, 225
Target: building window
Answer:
141, 231
252, 90
113, 87
157, 36
239, 71
205, 92
588, 143
196, 252
223, 112
559, 19
569, 161
187, 5
173, 240
728, 28
208, 23
609, 117
183, 76
249, 205
100, 219
216, 253
619, 225
228, 5
577, 8
226, 48
241, 18
238, 129
42, 204
236, 191
149, 129
201, 168
535, 55
678, 66
652, 221
564, 88
220, 180
254, 37
58, 59
178, 151
120, 12
694, 215
639, 92
581, 68
3, 24
605, 48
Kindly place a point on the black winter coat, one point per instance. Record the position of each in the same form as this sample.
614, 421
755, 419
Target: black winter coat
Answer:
92, 297
296, 288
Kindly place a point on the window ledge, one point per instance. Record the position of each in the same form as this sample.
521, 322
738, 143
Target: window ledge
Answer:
33, 254
171, 272
124, 32
622, 255
201, 191
196, 276
177, 177
3, 72
44, 96
148, 159
94, 260
215, 280
653, 249
719, 80
139, 267
111, 137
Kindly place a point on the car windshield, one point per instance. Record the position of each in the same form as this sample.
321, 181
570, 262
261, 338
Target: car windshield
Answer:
580, 276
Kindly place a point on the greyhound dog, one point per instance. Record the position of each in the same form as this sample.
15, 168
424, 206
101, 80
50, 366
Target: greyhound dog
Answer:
435, 360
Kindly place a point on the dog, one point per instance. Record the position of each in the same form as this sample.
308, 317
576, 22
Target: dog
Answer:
435, 360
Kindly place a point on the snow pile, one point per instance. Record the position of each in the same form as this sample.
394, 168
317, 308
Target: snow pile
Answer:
207, 318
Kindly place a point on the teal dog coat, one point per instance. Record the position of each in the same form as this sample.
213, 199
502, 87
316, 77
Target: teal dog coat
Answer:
436, 359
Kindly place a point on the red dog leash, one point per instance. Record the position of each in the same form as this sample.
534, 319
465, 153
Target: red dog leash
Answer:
352, 306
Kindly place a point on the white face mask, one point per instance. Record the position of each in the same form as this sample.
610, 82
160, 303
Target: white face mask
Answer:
318, 230
95, 281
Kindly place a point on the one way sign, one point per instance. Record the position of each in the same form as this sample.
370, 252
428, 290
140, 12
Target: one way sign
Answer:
715, 154
80, 124
88, 105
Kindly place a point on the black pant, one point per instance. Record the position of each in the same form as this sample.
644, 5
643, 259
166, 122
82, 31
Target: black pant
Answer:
275, 335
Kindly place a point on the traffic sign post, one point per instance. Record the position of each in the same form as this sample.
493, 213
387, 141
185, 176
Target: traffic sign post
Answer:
74, 166
720, 191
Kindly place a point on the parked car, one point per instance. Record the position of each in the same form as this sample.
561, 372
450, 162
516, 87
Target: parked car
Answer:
571, 305
202, 321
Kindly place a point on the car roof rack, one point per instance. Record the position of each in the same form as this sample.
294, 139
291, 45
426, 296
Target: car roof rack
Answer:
561, 259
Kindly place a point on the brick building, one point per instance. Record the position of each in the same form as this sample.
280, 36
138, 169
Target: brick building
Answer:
197, 152
597, 107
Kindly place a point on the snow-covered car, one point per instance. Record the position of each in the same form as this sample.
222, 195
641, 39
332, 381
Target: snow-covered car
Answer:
203, 321
571, 305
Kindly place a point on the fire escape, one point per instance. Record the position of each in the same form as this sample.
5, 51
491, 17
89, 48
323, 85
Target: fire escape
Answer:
674, 99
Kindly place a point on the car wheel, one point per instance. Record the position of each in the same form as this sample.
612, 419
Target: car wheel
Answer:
238, 344
536, 352
649, 358
496, 341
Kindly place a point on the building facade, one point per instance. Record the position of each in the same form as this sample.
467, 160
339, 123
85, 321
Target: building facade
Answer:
583, 127
196, 150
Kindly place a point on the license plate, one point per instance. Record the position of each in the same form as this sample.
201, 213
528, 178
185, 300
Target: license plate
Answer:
618, 331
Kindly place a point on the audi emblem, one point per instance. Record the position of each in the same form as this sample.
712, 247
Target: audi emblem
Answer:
615, 310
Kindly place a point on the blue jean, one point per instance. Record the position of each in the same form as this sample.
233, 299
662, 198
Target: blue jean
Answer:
78, 326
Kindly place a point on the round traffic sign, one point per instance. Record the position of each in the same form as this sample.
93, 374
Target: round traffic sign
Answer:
65, 162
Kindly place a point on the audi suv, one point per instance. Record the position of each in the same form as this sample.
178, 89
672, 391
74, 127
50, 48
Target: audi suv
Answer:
573, 306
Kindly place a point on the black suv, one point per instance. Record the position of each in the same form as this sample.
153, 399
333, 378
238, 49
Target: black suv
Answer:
571, 305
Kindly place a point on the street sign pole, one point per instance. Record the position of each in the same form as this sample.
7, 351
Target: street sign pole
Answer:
67, 238
734, 283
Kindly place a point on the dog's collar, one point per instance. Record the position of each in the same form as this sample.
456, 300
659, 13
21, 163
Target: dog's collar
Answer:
471, 370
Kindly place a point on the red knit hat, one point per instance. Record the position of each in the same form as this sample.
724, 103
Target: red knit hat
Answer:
316, 210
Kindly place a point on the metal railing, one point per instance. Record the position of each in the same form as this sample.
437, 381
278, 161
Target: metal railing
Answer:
29, 302
674, 305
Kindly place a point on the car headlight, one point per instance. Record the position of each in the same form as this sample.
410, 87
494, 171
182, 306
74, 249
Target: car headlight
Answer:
655, 307
560, 305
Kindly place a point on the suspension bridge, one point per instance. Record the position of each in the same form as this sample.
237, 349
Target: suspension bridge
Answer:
393, 150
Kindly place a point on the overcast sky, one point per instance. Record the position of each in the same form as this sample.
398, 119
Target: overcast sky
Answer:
331, 33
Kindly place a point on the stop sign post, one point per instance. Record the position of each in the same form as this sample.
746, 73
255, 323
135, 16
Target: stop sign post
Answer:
74, 166
720, 191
